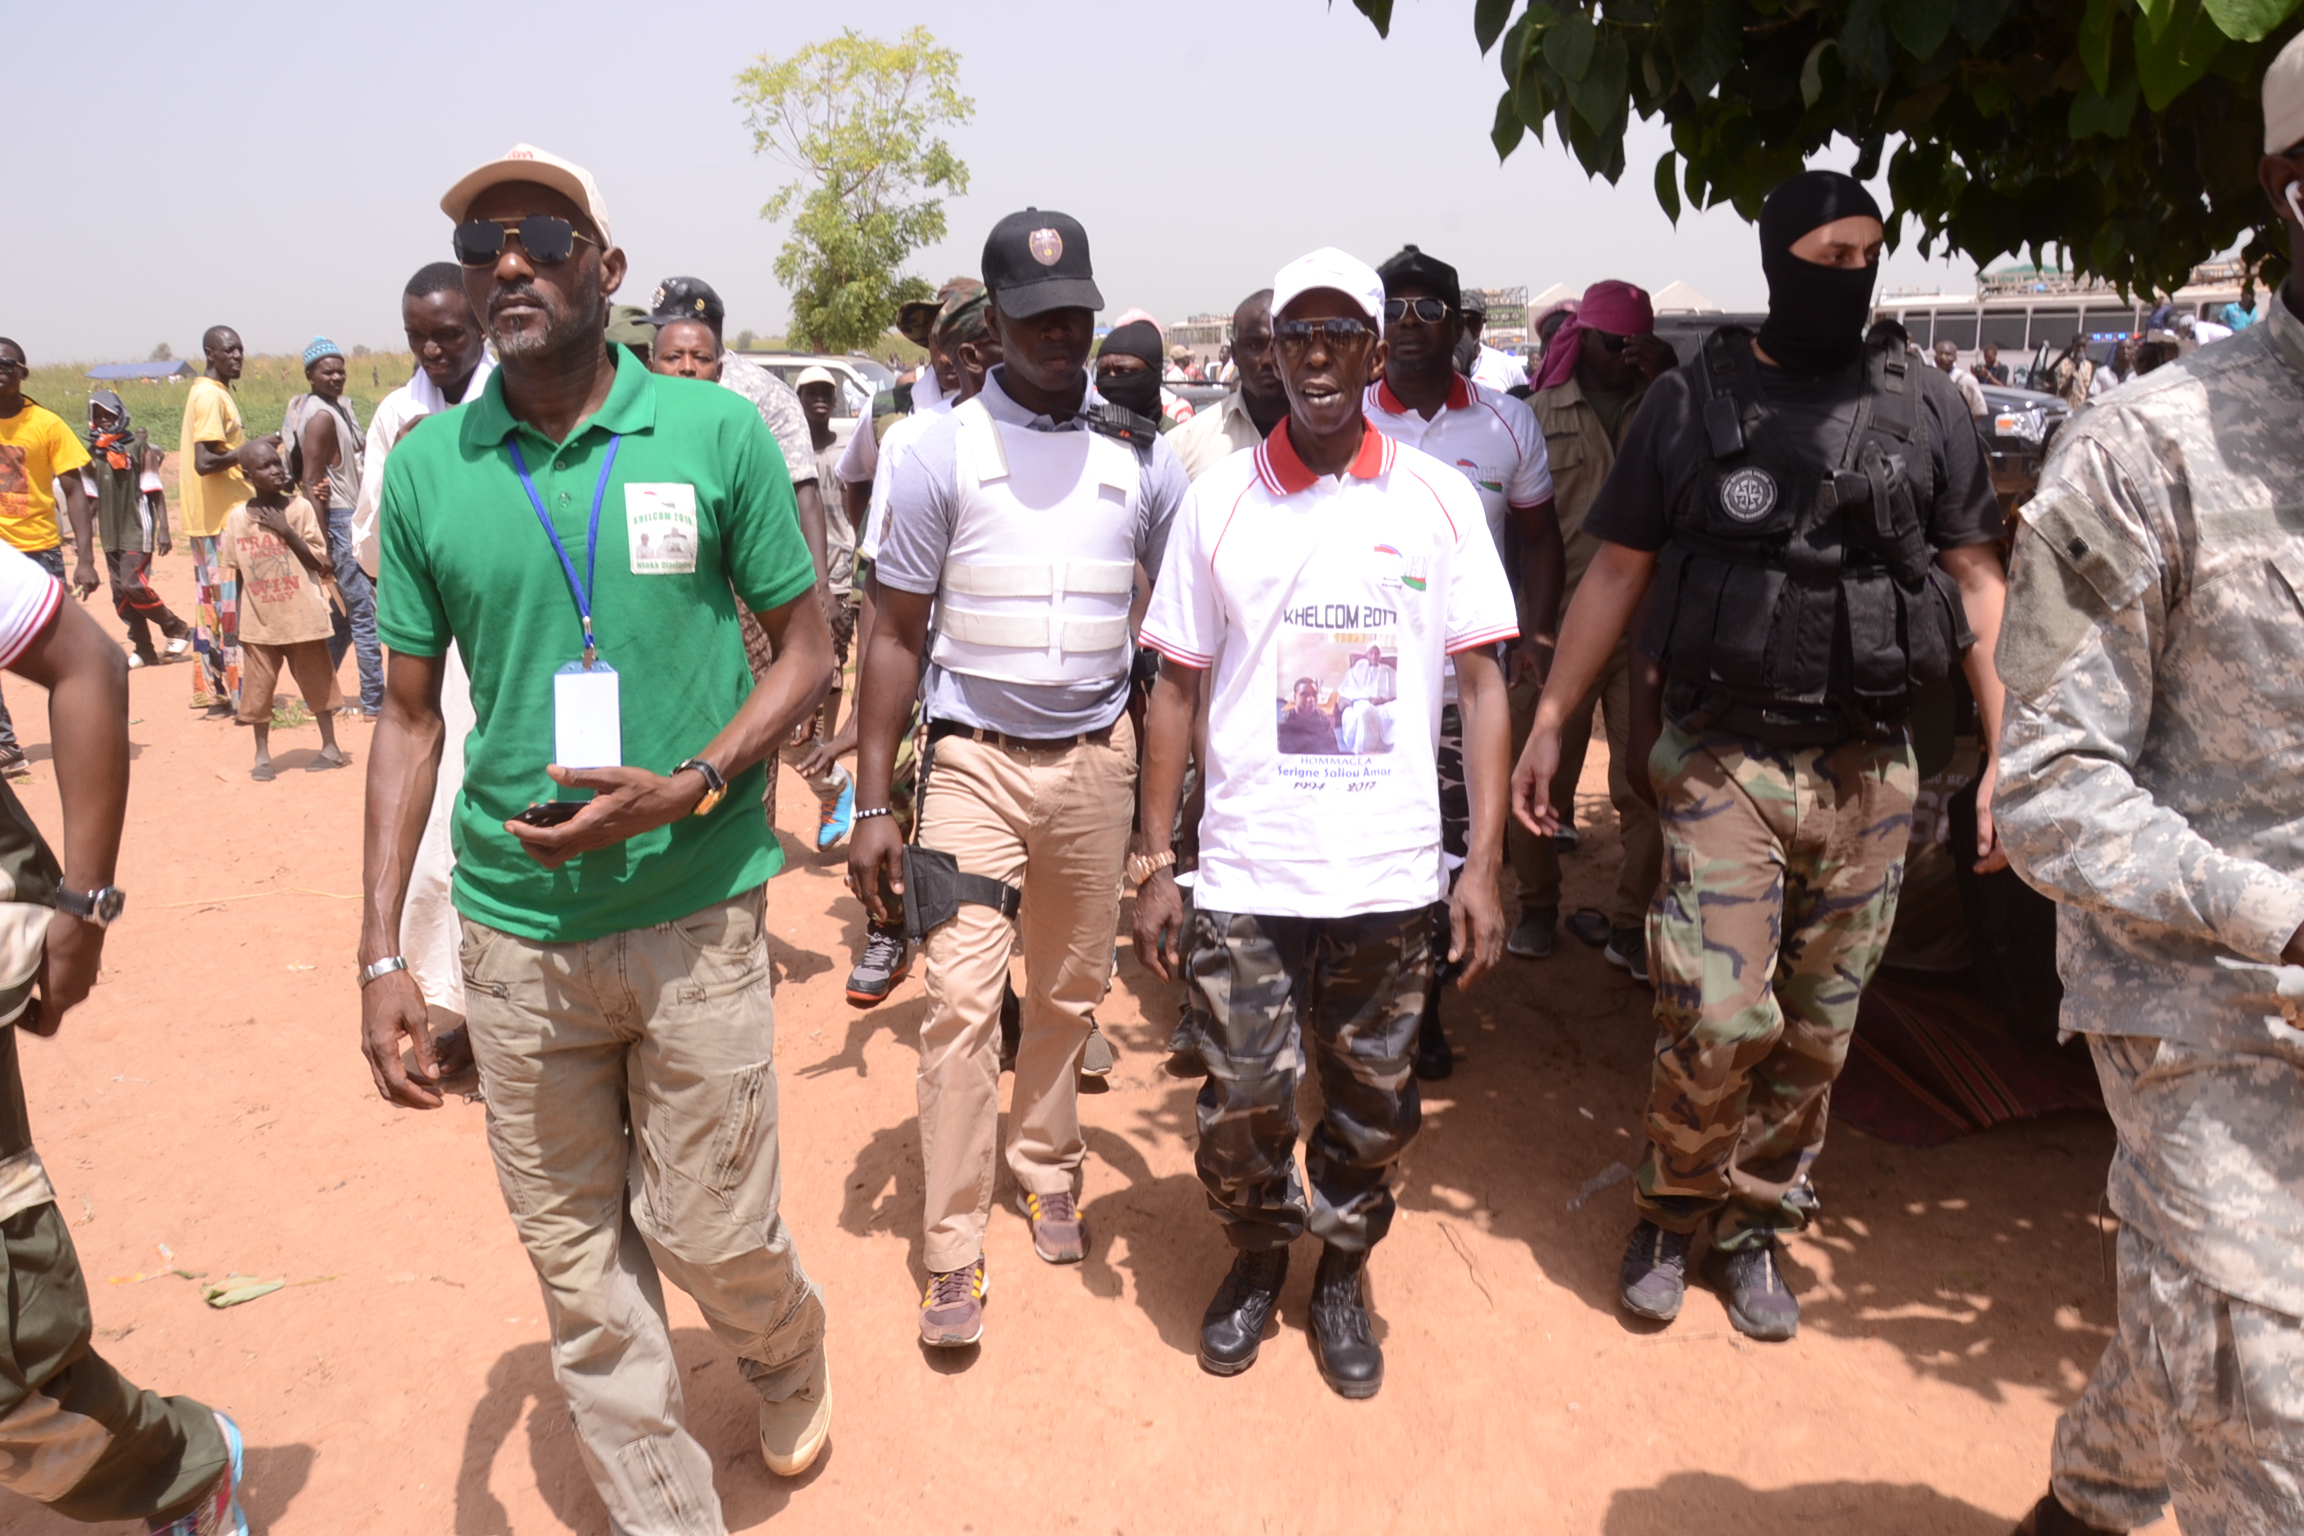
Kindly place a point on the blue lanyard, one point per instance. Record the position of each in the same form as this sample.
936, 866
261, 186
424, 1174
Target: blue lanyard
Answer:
582, 591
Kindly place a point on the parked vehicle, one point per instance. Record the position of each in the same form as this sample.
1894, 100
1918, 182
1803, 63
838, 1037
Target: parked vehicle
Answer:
860, 378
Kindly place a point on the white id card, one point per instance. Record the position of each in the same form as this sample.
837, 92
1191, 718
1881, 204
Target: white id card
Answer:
587, 725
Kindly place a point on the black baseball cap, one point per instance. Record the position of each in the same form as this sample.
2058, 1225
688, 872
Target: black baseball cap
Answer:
1035, 262
1412, 267
686, 298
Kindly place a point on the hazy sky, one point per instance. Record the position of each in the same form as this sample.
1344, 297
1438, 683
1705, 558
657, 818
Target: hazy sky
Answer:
280, 171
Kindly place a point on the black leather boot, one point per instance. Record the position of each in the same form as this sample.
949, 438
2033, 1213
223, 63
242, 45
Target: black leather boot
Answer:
1233, 1329
1342, 1345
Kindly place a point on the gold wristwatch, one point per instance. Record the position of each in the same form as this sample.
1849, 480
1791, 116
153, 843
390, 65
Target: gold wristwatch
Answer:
1143, 866
714, 785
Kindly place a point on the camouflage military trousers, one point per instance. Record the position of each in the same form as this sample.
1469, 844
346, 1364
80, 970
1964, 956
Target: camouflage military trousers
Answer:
2199, 1396
1264, 986
1781, 869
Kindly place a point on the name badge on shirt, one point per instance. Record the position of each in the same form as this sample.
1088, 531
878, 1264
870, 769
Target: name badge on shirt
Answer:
660, 519
587, 724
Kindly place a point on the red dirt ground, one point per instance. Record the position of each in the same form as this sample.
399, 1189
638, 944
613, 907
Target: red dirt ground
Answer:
211, 1097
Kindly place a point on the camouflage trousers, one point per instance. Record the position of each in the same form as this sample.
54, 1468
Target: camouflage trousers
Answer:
1264, 986
2199, 1397
1781, 869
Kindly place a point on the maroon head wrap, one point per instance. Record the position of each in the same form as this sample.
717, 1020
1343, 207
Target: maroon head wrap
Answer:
1617, 308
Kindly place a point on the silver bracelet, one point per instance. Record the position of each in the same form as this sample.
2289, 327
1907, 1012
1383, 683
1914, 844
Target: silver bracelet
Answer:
383, 967
877, 811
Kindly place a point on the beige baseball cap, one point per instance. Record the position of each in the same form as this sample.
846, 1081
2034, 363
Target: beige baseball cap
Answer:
525, 162
2284, 98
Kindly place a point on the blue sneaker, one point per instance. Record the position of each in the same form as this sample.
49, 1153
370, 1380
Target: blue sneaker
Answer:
218, 1513
838, 814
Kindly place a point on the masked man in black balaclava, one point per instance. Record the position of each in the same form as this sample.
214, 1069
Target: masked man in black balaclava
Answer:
1822, 534
1128, 371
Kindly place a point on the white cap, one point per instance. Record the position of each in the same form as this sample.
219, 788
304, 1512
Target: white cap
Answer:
525, 162
1329, 267
815, 375
2284, 99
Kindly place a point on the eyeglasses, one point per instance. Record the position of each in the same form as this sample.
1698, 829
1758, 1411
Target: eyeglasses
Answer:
547, 240
14, 365
1340, 333
1428, 311
1609, 340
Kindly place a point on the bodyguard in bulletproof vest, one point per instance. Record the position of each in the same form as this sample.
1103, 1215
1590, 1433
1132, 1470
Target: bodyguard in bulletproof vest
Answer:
1818, 525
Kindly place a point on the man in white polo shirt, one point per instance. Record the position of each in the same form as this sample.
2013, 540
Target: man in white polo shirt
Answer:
1016, 529
1319, 871
1493, 441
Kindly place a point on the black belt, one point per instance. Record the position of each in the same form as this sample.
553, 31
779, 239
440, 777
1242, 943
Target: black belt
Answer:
1101, 736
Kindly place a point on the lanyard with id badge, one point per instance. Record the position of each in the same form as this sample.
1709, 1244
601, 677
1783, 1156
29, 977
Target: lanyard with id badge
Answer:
587, 722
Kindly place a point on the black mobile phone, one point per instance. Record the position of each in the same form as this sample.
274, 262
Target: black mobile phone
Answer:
550, 813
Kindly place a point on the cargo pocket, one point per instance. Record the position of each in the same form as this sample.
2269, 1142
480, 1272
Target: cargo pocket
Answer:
475, 943
751, 1096
2269, 1349
726, 947
1676, 939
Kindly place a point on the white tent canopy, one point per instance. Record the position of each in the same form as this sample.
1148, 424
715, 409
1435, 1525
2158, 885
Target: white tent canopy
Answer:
1680, 299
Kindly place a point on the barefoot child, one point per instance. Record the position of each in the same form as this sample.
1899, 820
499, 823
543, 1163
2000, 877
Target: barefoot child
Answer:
274, 542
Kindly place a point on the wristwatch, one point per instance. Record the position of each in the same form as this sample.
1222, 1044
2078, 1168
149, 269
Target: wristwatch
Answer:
101, 906
714, 785
1143, 866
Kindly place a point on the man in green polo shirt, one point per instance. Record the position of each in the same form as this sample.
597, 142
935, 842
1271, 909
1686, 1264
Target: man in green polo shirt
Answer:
584, 530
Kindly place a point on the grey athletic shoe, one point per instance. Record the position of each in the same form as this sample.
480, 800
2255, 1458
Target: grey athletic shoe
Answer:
1760, 1304
1654, 1278
887, 960
1533, 936
1628, 951
1099, 1058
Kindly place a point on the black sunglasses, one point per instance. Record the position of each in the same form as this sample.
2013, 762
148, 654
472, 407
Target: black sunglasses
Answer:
1429, 311
547, 240
1296, 335
1609, 340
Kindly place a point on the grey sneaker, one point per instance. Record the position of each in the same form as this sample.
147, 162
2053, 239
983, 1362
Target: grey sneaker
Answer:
887, 960
1059, 1232
1760, 1304
1654, 1278
1533, 936
952, 1308
1099, 1058
1628, 951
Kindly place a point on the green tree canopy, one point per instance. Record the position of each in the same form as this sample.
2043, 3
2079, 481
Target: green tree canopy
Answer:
857, 118
2123, 133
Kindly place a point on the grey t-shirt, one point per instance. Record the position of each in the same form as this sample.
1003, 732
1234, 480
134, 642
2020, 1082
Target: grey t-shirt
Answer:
922, 511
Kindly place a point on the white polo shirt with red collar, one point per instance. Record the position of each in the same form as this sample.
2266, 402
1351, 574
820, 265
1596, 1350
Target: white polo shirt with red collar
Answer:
1490, 438
1277, 581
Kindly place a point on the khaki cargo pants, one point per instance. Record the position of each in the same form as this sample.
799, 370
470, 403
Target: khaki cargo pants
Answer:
631, 1089
1782, 868
1055, 821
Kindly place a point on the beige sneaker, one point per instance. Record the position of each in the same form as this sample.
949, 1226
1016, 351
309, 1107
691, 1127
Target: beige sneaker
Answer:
793, 1432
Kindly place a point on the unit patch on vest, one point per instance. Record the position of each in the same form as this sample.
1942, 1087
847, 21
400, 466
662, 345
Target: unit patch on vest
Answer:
1748, 495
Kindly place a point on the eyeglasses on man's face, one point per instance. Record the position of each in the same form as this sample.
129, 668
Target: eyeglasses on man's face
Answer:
1425, 311
1339, 333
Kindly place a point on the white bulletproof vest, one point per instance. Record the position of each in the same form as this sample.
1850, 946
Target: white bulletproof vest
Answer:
1043, 554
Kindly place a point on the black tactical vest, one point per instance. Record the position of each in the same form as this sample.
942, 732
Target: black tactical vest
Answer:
1798, 602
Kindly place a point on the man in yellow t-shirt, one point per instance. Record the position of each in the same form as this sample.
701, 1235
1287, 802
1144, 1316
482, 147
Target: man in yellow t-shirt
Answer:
36, 451
212, 486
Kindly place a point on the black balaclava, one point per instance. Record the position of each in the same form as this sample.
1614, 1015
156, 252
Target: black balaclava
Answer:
1138, 392
1816, 314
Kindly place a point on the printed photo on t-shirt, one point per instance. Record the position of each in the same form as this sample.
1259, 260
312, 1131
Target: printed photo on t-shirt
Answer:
1337, 682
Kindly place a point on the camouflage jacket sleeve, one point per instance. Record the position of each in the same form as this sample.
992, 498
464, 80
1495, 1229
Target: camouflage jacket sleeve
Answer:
2099, 563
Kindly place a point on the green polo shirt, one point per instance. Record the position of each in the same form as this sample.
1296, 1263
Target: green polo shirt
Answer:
464, 559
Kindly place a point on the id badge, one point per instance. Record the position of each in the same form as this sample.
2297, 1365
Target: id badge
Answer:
587, 724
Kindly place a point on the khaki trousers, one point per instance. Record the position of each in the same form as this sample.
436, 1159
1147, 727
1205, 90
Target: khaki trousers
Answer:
1056, 822
1535, 862
631, 1089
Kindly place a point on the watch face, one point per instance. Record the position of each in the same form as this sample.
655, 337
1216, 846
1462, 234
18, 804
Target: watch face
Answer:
109, 903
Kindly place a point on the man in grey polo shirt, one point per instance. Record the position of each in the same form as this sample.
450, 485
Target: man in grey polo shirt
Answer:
1026, 519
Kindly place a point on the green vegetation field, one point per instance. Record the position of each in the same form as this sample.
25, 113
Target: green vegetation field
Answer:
264, 391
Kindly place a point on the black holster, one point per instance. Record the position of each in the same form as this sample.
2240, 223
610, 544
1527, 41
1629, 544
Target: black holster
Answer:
934, 887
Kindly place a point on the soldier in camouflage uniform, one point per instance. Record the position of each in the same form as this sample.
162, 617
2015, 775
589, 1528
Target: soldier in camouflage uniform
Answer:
2154, 656
1820, 528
